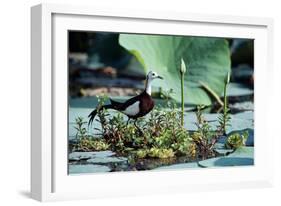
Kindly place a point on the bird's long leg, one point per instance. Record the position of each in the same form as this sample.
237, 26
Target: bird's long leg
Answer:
128, 121
140, 133
139, 130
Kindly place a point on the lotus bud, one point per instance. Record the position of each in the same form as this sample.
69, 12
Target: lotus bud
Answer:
227, 78
183, 67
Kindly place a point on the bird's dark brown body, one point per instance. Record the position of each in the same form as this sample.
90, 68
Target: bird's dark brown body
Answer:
145, 106
135, 107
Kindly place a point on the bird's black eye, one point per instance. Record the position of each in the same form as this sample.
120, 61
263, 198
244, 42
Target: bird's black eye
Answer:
153, 74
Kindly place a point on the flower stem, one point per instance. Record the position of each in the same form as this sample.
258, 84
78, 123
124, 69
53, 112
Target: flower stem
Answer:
224, 99
182, 72
182, 99
225, 106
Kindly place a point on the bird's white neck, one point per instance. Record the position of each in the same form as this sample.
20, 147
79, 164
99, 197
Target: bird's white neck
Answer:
148, 86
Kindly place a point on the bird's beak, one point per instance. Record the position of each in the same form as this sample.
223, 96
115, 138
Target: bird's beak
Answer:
160, 77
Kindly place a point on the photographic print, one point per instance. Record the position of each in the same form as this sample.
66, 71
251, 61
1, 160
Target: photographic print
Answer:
155, 102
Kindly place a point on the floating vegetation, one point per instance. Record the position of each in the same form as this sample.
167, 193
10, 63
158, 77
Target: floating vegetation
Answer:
236, 140
162, 135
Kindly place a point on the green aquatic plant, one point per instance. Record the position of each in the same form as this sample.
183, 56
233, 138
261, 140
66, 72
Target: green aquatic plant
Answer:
142, 153
91, 144
85, 141
161, 153
81, 131
102, 113
155, 152
224, 119
183, 144
166, 130
205, 138
162, 136
236, 140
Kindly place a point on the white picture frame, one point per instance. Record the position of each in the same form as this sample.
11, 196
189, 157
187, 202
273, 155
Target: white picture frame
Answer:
49, 178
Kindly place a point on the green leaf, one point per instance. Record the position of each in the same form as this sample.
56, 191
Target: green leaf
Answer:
207, 61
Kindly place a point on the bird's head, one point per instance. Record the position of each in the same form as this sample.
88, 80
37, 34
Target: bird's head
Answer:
153, 75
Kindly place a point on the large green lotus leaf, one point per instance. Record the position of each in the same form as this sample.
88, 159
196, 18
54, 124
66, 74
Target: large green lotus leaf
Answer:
207, 61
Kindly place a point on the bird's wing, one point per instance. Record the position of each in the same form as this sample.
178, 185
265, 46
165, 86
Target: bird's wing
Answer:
133, 109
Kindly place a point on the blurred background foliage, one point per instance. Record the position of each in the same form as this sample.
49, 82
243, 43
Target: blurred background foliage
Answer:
99, 63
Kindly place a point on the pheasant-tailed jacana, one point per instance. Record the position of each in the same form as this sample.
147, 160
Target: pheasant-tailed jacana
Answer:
135, 107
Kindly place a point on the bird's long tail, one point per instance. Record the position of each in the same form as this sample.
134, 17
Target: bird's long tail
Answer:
93, 114
114, 105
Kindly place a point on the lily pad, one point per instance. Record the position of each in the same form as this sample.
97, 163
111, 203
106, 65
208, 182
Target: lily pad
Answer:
237, 90
105, 160
241, 157
238, 122
248, 105
241, 121
247, 115
103, 154
79, 169
76, 156
220, 148
179, 166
